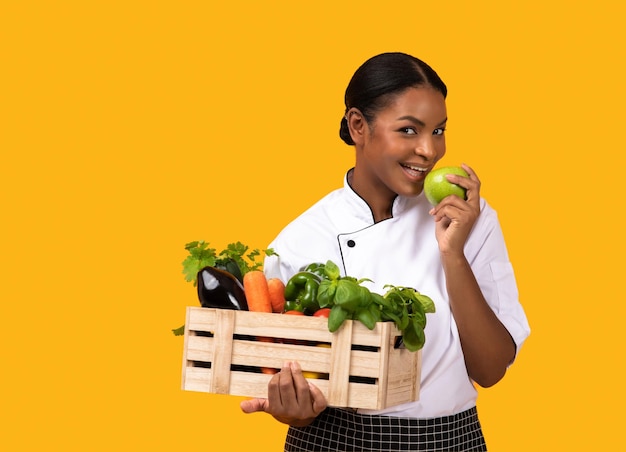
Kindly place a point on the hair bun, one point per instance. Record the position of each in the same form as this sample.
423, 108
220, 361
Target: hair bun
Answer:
344, 132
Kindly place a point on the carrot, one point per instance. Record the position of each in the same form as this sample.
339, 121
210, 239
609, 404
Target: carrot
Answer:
257, 291
255, 286
277, 294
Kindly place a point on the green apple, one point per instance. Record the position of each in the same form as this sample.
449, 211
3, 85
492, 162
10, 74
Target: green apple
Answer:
437, 187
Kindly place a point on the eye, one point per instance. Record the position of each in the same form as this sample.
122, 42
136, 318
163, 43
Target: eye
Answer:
408, 130
439, 131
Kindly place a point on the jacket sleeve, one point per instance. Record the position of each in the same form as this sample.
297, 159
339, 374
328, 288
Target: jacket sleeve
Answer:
487, 253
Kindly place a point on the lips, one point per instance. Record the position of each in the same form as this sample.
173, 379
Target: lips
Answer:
414, 171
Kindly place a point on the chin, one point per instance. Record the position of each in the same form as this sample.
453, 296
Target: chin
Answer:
411, 192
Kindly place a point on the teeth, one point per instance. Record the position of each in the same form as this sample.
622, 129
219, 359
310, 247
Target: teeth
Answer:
415, 168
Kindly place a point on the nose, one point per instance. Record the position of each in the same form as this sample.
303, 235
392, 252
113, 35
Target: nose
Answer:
426, 148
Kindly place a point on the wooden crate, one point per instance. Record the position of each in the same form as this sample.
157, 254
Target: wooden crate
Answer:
357, 367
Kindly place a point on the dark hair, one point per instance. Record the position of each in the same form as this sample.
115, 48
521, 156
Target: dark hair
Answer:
375, 83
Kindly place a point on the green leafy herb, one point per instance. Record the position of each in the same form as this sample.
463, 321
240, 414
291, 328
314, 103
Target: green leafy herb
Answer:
349, 299
408, 309
200, 256
179, 331
236, 258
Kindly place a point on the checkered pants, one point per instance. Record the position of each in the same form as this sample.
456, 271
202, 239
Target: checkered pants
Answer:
342, 430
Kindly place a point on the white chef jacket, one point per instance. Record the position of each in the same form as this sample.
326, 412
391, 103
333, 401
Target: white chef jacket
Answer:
403, 251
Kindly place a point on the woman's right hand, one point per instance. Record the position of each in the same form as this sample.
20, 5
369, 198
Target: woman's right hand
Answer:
291, 399
455, 217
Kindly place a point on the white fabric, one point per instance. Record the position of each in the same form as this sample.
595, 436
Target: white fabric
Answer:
403, 251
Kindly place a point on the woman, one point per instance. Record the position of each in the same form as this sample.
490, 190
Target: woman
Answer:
380, 226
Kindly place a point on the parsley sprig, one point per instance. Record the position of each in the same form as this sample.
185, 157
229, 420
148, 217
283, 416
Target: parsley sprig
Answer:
236, 258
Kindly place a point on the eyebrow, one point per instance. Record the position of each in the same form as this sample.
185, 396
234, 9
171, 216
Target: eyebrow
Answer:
418, 121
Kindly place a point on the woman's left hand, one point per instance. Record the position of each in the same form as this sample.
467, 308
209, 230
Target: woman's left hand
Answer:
454, 216
291, 398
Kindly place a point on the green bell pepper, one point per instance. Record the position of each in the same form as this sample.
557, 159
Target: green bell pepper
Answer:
293, 305
317, 268
302, 287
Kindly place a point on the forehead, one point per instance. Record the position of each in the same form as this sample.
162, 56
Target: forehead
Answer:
424, 103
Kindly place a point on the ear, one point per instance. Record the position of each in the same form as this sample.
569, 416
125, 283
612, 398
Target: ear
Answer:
356, 125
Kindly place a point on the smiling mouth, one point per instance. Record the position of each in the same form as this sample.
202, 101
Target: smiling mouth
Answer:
415, 170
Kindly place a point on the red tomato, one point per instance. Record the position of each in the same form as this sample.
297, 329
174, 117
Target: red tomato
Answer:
294, 312
322, 312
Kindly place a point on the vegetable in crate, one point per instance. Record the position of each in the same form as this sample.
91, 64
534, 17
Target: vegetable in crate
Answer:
302, 288
257, 291
276, 288
347, 298
220, 289
292, 305
235, 259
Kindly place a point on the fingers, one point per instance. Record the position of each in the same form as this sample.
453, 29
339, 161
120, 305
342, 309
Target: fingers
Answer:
451, 208
470, 172
302, 389
253, 405
471, 184
319, 401
291, 399
289, 394
294, 388
279, 387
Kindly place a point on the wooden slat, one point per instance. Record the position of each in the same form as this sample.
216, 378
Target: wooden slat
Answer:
201, 319
262, 354
404, 376
385, 348
255, 385
199, 348
293, 327
340, 365
223, 351
186, 347
198, 379
361, 396
283, 326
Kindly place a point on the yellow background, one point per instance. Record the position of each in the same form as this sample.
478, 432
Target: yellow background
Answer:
131, 128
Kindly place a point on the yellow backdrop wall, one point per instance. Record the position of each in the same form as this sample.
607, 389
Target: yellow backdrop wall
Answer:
131, 128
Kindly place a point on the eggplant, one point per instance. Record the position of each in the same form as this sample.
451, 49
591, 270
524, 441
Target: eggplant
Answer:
220, 289
230, 266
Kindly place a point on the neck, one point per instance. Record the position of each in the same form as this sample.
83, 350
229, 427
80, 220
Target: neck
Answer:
378, 199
